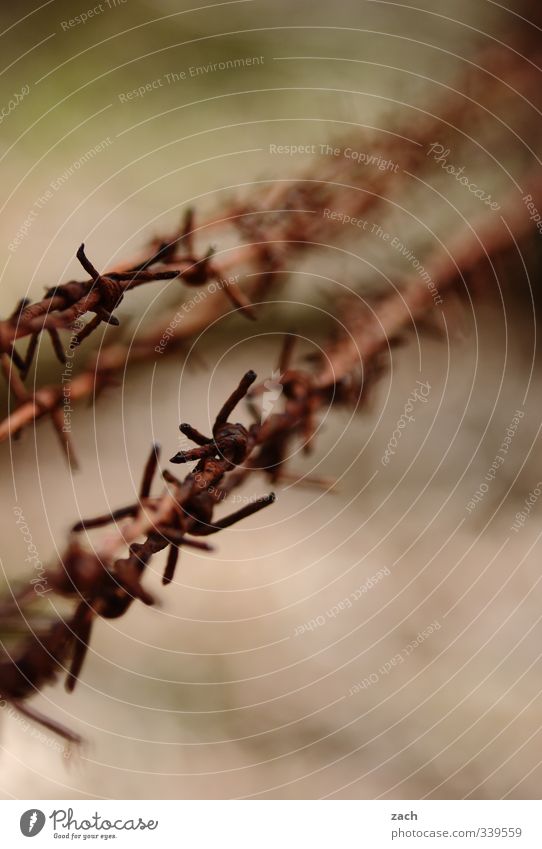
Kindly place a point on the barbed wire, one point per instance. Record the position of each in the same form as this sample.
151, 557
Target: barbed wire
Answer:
104, 580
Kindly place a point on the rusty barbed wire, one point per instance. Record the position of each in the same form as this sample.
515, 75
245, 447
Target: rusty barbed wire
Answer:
103, 581
104, 585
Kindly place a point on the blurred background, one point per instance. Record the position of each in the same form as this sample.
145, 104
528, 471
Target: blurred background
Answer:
252, 676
